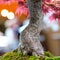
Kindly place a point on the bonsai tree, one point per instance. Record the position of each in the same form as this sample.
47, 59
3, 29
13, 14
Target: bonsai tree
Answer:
29, 39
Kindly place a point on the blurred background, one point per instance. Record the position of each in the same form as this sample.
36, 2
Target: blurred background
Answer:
17, 11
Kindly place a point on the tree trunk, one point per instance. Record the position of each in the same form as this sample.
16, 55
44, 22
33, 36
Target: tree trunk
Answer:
30, 37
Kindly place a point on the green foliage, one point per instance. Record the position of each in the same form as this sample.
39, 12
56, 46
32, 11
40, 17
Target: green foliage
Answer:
15, 55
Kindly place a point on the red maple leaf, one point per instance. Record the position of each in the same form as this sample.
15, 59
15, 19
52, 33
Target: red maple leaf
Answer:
22, 10
45, 8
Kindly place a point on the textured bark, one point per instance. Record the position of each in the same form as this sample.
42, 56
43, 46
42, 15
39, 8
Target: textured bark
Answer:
30, 37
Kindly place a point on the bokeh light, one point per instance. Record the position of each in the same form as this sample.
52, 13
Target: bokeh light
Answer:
4, 12
10, 15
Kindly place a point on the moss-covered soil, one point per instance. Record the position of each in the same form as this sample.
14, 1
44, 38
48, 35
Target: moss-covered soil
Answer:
19, 56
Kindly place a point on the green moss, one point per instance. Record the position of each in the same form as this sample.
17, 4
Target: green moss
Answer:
15, 55
34, 58
57, 58
48, 54
49, 58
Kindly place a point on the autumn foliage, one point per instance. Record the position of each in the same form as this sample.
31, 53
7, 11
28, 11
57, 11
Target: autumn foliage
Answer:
18, 7
53, 6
